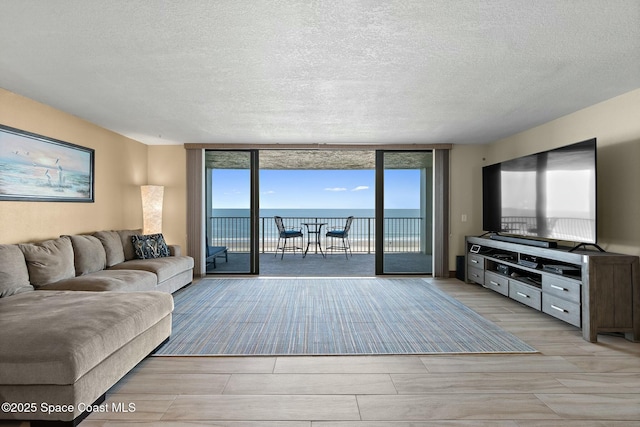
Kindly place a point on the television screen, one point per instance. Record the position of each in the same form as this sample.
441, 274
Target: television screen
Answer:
550, 195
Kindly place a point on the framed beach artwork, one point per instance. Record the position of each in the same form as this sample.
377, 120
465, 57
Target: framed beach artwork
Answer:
37, 168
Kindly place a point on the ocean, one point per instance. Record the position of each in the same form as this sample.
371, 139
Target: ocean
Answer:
230, 227
318, 213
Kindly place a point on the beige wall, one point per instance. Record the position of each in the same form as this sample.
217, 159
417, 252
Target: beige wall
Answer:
120, 168
616, 125
167, 166
122, 165
466, 197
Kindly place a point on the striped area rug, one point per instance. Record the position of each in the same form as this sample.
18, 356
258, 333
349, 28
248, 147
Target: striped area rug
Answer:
273, 316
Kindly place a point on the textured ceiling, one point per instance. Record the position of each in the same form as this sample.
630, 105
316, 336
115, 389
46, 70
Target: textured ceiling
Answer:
330, 71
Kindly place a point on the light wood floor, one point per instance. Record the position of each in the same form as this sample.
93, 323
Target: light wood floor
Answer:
569, 383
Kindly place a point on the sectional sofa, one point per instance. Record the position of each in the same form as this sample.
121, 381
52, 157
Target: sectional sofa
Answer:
76, 314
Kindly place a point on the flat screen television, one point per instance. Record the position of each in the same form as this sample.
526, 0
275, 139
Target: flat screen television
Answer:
547, 195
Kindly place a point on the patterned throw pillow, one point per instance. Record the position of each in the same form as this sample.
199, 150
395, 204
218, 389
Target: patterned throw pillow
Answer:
150, 246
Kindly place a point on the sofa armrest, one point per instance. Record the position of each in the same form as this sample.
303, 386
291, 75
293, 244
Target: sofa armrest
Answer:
175, 250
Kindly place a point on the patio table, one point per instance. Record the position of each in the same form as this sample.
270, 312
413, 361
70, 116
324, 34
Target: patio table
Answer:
314, 229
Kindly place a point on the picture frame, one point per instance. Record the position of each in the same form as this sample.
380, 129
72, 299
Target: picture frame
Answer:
37, 168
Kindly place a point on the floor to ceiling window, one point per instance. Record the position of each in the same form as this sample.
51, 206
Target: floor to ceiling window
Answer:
230, 211
405, 209
315, 192
389, 194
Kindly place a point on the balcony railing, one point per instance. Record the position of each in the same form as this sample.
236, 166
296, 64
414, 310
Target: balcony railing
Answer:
401, 234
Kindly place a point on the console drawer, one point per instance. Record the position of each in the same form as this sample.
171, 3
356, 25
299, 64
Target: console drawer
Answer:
563, 288
496, 283
475, 260
475, 275
527, 295
562, 309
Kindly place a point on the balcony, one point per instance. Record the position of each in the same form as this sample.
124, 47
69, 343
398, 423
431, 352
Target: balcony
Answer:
402, 247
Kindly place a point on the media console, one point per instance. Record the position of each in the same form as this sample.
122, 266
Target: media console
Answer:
596, 291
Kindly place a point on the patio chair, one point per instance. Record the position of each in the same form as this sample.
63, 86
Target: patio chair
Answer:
343, 235
214, 252
284, 234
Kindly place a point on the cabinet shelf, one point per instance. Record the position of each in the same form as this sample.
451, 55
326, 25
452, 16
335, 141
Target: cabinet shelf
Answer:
595, 291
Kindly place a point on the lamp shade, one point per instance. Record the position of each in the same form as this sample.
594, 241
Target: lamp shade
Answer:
152, 197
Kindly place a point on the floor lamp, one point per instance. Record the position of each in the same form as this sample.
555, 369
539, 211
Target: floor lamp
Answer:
152, 196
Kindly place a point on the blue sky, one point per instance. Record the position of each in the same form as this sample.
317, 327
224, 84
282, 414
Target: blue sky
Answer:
316, 189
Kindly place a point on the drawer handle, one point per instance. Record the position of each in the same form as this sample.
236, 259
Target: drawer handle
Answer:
555, 307
560, 288
523, 295
475, 275
475, 261
494, 283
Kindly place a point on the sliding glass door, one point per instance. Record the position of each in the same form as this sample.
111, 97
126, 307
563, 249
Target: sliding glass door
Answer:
403, 235
404, 212
231, 211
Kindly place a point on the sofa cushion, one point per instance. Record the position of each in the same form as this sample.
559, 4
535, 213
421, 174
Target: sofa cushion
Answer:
89, 255
108, 280
112, 246
165, 268
14, 276
66, 334
49, 261
127, 245
150, 246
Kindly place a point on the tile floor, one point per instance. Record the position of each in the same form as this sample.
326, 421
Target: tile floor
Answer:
571, 382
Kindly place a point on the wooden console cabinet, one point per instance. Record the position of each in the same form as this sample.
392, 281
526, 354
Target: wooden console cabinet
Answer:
595, 291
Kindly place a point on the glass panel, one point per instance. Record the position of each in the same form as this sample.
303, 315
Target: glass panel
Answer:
408, 206
315, 192
228, 204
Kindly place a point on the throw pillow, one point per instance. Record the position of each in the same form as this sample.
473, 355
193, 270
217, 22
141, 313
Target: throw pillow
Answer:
150, 246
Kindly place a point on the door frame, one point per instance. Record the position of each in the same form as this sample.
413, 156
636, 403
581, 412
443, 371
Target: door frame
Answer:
195, 193
380, 214
254, 207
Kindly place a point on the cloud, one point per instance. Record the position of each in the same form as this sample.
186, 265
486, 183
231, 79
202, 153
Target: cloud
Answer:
335, 189
269, 192
361, 187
